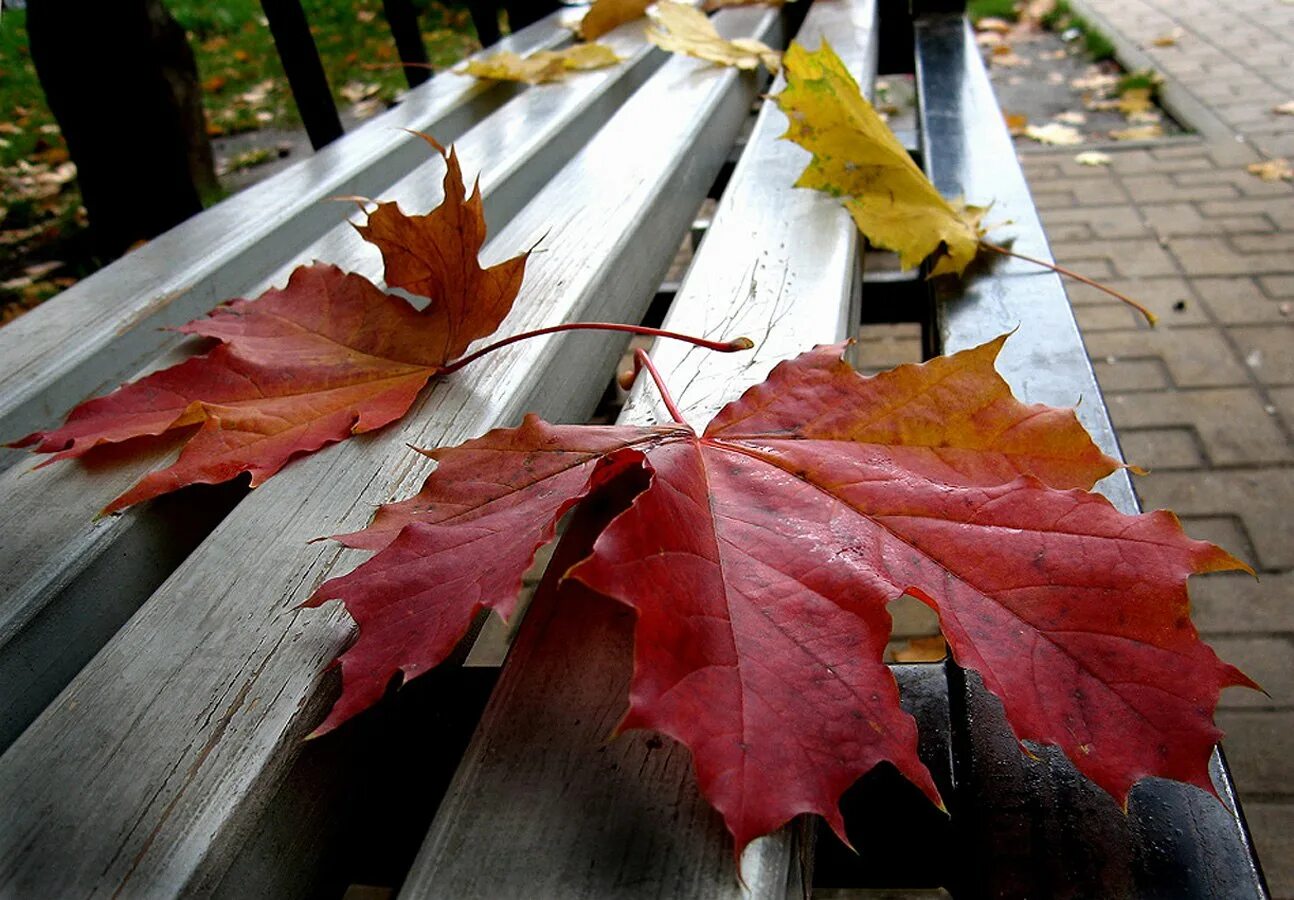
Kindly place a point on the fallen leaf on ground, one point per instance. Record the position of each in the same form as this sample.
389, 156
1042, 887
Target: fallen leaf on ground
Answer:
922, 649
684, 29
761, 554
1071, 118
1015, 122
1054, 133
1271, 170
1005, 57
543, 65
1095, 81
355, 91
1134, 101
607, 15
857, 159
989, 23
1285, 109
327, 356
1138, 133
1093, 158
1169, 39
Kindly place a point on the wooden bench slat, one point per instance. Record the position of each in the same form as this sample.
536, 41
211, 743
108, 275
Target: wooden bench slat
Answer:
554, 808
55, 556
223, 252
155, 763
1047, 829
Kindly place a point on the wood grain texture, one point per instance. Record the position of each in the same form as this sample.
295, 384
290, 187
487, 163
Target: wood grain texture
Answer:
152, 767
1048, 830
55, 555
556, 809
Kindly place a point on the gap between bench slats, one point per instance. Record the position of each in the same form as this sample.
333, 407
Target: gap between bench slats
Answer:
1045, 829
543, 805
68, 581
155, 763
223, 252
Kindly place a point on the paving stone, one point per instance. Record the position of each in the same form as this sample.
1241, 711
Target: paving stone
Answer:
1268, 661
1215, 256
1265, 243
1259, 746
1272, 827
1131, 258
1262, 498
1162, 448
1130, 374
1238, 603
1105, 317
1278, 285
1268, 351
1278, 211
1239, 300
1172, 219
1283, 400
1195, 356
1232, 423
1103, 221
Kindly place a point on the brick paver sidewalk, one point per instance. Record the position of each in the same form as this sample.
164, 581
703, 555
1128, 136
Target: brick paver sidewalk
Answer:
1207, 399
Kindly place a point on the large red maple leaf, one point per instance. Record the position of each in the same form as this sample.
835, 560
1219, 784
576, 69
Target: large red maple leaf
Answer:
762, 554
327, 356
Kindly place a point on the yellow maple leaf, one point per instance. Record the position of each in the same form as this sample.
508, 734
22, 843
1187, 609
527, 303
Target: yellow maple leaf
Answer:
679, 28
607, 15
543, 66
858, 159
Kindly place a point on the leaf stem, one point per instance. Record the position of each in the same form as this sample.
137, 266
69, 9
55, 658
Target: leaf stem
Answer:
1061, 270
641, 358
733, 346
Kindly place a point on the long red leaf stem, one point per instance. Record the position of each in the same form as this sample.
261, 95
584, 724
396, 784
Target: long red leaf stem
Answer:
642, 359
1061, 270
733, 346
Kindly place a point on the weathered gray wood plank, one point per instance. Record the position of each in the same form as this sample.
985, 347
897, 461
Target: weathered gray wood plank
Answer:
555, 809
152, 767
223, 252
55, 556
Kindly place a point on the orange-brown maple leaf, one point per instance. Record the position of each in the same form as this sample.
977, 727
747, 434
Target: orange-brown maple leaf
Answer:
436, 255
327, 356
760, 558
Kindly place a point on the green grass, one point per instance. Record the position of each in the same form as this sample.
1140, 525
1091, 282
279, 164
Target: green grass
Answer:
1063, 17
991, 9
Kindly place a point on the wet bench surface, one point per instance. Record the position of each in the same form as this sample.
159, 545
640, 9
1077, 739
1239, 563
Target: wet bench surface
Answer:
156, 675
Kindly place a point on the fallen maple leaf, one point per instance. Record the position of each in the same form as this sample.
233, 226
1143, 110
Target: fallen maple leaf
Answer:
1093, 158
543, 65
858, 159
607, 15
327, 356
1055, 133
1271, 170
1135, 101
1138, 133
684, 29
760, 558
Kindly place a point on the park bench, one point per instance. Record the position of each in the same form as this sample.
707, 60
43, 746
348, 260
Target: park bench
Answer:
157, 676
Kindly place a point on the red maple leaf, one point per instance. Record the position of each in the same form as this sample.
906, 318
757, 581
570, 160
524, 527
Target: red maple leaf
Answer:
760, 558
328, 356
